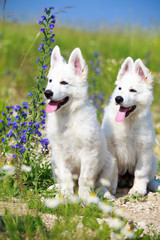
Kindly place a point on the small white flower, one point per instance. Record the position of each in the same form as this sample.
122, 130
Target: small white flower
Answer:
90, 183
118, 236
51, 202
127, 231
26, 168
115, 223
109, 69
50, 187
105, 182
106, 208
60, 198
113, 61
74, 199
8, 169
142, 224
121, 212
93, 198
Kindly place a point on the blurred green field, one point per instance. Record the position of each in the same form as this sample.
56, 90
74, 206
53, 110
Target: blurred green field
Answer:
18, 53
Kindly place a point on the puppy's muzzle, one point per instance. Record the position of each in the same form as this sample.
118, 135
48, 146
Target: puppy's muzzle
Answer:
48, 94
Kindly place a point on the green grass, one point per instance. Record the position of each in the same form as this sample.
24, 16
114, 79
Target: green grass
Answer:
19, 44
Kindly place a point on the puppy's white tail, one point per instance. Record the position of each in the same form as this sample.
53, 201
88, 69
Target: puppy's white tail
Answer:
154, 185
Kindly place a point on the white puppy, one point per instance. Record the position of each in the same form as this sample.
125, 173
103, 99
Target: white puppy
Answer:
77, 141
128, 126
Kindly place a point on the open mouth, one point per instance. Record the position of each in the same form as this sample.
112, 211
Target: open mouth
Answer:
124, 112
52, 106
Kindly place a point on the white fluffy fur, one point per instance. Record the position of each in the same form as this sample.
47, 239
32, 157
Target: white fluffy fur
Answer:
131, 141
77, 141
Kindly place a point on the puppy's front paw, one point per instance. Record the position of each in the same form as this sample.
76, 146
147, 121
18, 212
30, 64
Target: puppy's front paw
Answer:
103, 191
138, 190
67, 189
108, 195
84, 193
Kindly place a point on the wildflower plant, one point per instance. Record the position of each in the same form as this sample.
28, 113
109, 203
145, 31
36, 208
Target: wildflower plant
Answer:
96, 98
22, 126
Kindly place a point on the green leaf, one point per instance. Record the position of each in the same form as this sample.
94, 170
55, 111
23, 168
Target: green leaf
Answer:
138, 233
90, 222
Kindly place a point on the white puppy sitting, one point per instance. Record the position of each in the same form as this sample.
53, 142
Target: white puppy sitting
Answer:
128, 126
77, 141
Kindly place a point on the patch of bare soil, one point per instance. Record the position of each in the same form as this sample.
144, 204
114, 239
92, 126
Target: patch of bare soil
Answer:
144, 211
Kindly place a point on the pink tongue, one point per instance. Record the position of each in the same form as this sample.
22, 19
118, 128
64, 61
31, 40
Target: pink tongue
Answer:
121, 114
51, 107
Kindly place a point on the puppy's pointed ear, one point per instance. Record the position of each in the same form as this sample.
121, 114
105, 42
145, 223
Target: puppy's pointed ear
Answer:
125, 68
56, 56
77, 63
142, 71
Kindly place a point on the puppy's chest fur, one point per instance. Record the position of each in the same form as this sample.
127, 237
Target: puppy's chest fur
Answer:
65, 138
125, 147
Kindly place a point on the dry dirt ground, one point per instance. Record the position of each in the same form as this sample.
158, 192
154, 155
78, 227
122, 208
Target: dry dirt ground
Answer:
144, 211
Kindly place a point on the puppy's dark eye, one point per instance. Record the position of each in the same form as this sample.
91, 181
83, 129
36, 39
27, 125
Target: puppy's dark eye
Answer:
50, 80
63, 83
132, 90
120, 88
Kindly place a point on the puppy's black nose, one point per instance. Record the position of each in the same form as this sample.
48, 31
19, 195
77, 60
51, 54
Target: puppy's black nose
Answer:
119, 99
48, 94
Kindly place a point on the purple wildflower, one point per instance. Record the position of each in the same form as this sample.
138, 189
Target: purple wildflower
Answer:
43, 17
51, 25
42, 30
44, 66
17, 108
